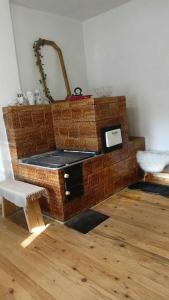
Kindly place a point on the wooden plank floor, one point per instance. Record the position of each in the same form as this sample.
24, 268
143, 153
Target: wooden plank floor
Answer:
126, 257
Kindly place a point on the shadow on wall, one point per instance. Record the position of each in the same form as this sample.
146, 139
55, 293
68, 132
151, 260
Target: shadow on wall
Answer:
5, 159
133, 128
137, 117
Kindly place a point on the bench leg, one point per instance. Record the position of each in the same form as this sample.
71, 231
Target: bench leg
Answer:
33, 216
8, 208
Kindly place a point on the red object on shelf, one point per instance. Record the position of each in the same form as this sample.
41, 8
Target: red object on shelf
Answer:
75, 98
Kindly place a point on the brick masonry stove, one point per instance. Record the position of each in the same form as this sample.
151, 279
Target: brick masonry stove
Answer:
77, 125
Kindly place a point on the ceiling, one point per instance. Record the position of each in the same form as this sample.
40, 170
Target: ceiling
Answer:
76, 9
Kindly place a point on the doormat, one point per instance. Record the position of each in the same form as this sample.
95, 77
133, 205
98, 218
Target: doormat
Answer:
152, 188
86, 221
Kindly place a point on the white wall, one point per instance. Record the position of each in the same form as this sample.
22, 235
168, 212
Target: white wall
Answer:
9, 82
30, 25
128, 48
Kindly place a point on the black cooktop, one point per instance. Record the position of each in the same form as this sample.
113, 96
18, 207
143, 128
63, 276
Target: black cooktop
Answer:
58, 158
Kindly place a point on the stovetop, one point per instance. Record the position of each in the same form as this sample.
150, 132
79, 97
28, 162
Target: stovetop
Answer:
58, 159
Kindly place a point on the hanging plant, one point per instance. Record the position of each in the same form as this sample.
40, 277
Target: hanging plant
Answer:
40, 64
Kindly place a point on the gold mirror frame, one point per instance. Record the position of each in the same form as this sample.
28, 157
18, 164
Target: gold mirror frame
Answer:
37, 49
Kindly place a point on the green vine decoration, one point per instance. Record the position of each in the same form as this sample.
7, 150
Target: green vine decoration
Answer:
37, 50
39, 62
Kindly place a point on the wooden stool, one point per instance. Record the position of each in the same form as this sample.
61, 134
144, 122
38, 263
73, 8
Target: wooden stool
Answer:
17, 194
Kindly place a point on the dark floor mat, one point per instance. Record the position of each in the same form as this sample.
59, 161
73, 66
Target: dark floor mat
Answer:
86, 221
152, 188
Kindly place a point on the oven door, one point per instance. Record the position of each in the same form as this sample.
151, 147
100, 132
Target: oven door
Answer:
73, 182
111, 138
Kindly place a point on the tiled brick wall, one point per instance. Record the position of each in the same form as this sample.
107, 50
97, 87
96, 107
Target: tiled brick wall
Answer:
29, 130
77, 124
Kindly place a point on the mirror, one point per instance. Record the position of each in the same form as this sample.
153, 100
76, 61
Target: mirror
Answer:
53, 69
38, 55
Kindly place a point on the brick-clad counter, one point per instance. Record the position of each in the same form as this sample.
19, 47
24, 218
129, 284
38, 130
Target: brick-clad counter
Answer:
76, 125
103, 176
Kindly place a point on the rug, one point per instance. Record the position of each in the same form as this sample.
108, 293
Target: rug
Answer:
86, 221
152, 188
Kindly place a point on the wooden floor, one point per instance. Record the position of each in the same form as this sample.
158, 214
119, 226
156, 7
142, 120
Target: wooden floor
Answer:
126, 257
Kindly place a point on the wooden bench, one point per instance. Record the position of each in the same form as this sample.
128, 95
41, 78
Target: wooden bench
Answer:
17, 194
